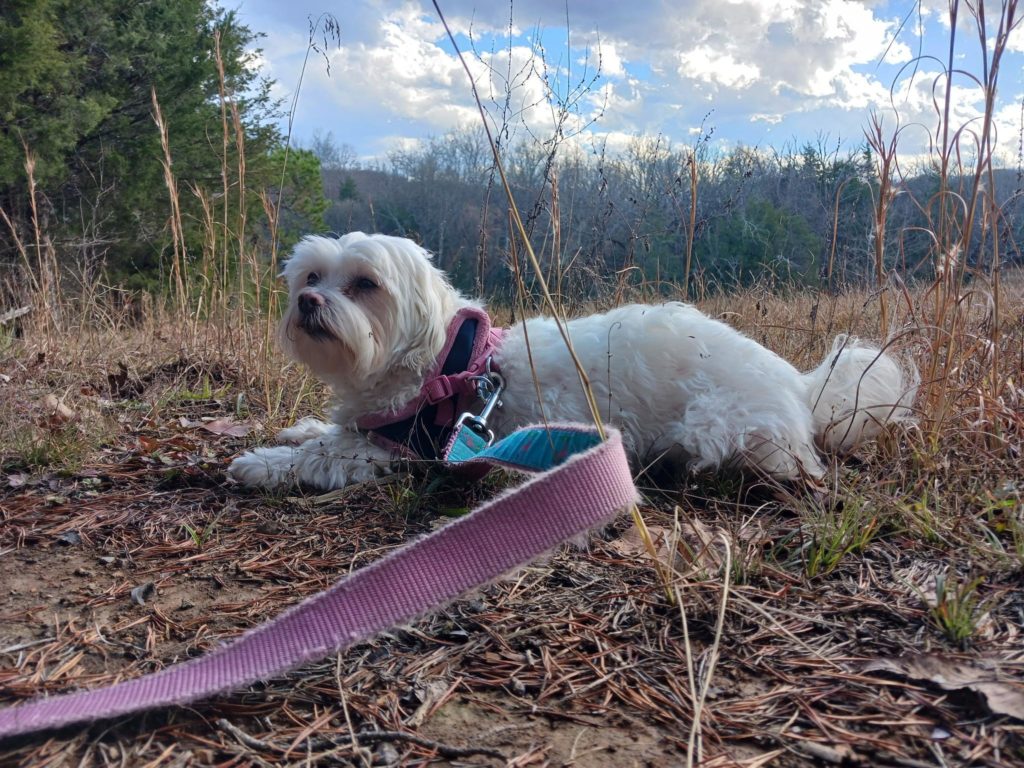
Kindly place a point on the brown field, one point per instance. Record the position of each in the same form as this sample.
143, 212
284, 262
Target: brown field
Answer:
877, 624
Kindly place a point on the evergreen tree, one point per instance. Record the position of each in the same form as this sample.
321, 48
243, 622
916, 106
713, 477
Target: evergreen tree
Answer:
77, 79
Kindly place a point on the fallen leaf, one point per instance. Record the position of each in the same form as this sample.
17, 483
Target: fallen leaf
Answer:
149, 444
631, 543
1004, 697
143, 592
228, 427
16, 479
695, 546
57, 412
70, 538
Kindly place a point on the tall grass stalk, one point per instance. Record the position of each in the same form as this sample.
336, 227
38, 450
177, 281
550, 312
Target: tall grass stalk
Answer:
885, 152
519, 231
225, 295
963, 221
178, 255
691, 231
225, 222
48, 287
951, 339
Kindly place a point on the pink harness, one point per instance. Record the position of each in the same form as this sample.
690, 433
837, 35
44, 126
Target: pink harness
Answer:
422, 427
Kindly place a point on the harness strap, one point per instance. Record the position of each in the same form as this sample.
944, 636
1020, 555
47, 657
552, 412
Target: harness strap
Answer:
422, 427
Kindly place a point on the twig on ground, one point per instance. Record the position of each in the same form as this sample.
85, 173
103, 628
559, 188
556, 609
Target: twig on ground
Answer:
13, 314
444, 750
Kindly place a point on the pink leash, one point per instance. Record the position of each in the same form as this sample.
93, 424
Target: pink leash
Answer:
588, 489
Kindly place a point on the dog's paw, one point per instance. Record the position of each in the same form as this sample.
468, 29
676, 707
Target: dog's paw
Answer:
264, 468
303, 430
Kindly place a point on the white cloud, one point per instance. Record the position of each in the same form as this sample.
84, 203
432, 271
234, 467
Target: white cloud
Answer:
611, 62
1009, 124
857, 91
717, 67
761, 65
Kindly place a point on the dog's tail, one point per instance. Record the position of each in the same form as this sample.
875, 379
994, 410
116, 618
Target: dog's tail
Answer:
855, 391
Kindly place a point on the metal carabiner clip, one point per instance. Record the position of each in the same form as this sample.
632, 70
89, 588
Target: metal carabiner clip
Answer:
489, 389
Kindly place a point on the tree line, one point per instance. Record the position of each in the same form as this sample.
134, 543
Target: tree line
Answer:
131, 133
84, 163
804, 214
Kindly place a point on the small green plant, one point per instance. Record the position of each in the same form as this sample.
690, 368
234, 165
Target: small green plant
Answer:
750, 543
958, 607
61, 447
203, 392
1003, 526
922, 518
833, 533
7, 340
399, 496
200, 537
36, 448
194, 534
1015, 525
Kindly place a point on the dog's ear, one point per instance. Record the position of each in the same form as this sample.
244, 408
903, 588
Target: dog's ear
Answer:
305, 252
427, 308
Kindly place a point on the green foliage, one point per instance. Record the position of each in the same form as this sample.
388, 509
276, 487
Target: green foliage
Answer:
957, 607
40, 107
201, 536
48, 443
77, 81
836, 531
761, 239
39, 448
303, 203
348, 189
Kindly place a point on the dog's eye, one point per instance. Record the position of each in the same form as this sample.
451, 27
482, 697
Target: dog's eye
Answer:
312, 278
363, 284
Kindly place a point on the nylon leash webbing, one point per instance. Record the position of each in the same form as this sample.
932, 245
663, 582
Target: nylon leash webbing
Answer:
583, 482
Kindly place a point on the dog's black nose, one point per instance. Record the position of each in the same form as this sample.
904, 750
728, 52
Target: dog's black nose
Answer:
310, 302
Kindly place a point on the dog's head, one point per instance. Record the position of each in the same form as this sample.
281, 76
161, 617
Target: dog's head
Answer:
363, 308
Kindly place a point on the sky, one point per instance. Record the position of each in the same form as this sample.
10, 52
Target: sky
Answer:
759, 73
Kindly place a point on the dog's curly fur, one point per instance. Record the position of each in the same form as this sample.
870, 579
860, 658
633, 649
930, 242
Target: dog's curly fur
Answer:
369, 313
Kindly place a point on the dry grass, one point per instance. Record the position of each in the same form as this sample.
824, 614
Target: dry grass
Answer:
807, 630
579, 660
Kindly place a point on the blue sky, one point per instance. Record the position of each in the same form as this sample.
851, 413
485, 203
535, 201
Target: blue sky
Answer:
758, 72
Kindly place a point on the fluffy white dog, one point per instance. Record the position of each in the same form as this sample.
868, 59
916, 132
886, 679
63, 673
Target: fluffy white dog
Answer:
374, 318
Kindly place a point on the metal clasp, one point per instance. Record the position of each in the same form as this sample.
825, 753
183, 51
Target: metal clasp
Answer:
488, 388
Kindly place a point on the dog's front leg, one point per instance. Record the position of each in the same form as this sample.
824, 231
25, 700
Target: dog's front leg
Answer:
305, 429
332, 460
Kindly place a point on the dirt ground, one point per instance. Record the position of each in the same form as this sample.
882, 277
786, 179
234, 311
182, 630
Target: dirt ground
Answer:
143, 554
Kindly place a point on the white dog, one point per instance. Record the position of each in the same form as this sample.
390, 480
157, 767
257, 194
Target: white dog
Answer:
405, 353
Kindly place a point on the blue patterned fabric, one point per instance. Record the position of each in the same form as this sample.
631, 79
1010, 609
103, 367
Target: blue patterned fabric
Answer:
534, 449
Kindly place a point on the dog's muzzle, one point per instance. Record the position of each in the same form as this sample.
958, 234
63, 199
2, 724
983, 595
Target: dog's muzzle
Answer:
311, 316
